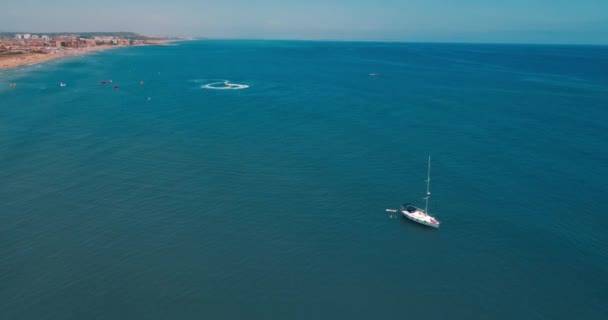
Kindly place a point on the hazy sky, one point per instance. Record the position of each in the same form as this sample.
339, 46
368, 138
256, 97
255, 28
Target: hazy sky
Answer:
540, 21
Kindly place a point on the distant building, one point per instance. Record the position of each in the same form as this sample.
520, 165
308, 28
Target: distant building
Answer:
72, 43
19, 36
45, 38
35, 43
26, 36
35, 37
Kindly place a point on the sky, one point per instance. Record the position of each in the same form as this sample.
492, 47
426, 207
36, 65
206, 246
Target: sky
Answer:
493, 21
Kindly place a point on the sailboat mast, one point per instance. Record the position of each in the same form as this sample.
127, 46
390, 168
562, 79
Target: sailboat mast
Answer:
428, 182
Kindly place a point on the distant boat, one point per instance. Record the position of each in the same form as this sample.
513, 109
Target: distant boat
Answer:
115, 87
103, 82
418, 215
62, 84
110, 81
374, 74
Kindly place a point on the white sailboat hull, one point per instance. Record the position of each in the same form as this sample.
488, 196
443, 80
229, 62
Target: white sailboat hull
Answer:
422, 218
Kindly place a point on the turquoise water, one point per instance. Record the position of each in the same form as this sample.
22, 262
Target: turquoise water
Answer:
169, 200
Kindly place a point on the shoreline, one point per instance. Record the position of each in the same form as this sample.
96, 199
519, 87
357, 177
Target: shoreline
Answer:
11, 61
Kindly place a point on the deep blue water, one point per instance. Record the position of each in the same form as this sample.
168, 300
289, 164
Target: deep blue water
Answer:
268, 202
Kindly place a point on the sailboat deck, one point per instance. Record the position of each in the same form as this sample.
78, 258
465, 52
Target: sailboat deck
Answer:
421, 217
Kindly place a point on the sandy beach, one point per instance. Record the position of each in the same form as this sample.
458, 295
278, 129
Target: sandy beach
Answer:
8, 61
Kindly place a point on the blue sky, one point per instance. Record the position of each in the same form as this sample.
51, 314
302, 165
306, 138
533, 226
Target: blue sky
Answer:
520, 21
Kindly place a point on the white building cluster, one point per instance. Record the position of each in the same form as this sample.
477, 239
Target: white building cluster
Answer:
27, 36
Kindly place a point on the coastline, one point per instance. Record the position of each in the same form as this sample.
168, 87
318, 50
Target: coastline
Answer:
10, 61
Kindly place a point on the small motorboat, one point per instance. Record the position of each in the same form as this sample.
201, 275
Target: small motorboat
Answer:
62, 84
115, 87
110, 81
374, 74
103, 82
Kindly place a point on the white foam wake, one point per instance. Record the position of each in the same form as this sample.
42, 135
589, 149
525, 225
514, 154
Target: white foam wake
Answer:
224, 85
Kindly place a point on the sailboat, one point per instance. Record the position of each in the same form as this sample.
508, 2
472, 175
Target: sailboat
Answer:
417, 214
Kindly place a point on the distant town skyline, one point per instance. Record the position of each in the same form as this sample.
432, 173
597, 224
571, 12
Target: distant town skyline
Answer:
501, 21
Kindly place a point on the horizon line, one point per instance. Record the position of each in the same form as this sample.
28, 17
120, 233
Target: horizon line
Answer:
402, 41
325, 40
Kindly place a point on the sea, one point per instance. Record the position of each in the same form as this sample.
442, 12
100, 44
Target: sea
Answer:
225, 179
